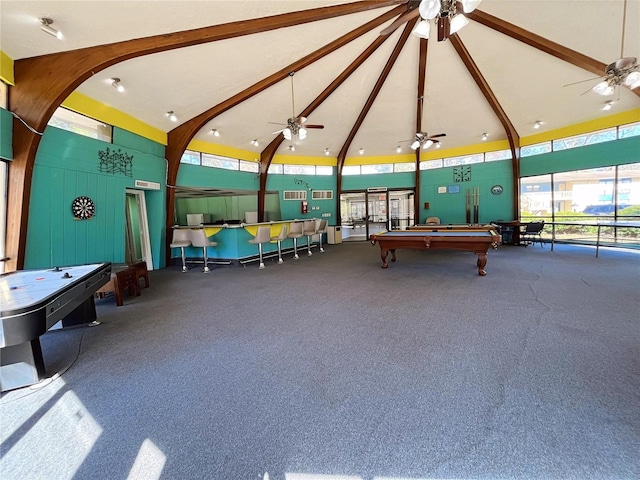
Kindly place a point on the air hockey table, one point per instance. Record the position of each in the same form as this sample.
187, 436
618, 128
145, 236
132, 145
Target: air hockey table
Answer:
34, 301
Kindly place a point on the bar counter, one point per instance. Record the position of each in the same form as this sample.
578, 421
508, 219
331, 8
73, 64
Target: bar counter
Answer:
233, 241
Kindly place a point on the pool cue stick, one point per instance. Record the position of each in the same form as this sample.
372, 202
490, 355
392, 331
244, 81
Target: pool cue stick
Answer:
476, 203
468, 205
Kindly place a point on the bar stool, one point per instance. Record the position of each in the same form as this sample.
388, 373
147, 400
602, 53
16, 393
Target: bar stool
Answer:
181, 238
278, 239
322, 229
263, 235
200, 239
309, 230
295, 232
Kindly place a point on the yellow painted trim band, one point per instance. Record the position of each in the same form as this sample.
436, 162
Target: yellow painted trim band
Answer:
80, 103
6, 69
211, 231
304, 160
622, 118
223, 151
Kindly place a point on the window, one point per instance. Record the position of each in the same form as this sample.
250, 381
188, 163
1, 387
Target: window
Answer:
299, 170
536, 149
496, 156
431, 164
404, 167
535, 197
190, 157
217, 161
81, 125
275, 168
630, 130
585, 139
374, 169
252, 167
464, 160
324, 170
351, 170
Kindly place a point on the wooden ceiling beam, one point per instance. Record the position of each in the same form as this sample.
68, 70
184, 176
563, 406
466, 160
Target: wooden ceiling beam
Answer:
422, 80
266, 156
541, 43
512, 134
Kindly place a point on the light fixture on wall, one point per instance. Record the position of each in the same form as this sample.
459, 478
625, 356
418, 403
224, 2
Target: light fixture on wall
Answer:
448, 20
172, 116
45, 26
115, 83
215, 132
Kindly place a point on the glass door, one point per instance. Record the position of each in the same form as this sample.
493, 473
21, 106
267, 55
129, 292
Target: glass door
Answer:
377, 213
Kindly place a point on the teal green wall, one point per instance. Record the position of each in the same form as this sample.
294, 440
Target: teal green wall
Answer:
451, 207
197, 176
389, 180
6, 132
290, 209
66, 167
616, 152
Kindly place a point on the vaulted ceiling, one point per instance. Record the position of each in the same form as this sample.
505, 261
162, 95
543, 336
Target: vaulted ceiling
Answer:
524, 53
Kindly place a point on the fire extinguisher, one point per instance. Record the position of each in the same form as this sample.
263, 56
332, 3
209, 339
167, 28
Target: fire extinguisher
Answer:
304, 207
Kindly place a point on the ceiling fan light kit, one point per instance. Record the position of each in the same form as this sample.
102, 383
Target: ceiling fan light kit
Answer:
623, 71
449, 21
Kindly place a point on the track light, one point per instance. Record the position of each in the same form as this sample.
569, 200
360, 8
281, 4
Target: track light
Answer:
115, 83
255, 143
45, 26
485, 136
537, 125
361, 151
292, 148
398, 149
215, 132
326, 151
607, 105
172, 116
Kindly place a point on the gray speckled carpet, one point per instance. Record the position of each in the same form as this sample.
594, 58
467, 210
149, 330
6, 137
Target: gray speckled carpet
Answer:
332, 368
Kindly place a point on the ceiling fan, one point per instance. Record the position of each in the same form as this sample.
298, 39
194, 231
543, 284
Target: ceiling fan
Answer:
448, 20
295, 126
624, 71
423, 140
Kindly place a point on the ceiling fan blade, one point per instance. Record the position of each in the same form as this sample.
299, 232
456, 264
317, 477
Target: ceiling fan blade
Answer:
314, 126
278, 131
276, 123
582, 81
438, 135
405, 17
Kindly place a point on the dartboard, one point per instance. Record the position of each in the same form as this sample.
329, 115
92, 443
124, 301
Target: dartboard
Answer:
83, 208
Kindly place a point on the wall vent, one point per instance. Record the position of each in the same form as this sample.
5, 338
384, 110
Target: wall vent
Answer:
294, 194
322, 195
147, 185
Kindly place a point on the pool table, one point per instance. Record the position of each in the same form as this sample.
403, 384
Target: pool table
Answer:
438, 237
467, 227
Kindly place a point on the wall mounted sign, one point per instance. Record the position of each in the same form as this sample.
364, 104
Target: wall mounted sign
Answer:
497, 189
462, 174
83, 208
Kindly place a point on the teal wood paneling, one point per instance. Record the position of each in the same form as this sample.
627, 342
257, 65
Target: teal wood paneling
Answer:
290, 209
451, 207
67, 167
6, 133
389, 180
617, 152
207, 177
132, 141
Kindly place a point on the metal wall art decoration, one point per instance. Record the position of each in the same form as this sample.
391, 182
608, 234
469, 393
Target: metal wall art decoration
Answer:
115, 162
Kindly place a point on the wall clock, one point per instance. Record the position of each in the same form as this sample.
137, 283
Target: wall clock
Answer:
83, 208
497, 189
462, 174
